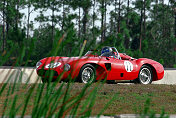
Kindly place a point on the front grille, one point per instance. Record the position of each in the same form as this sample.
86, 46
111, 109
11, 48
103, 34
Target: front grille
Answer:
47, 73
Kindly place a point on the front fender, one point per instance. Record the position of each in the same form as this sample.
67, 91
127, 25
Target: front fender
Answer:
159, 71
100, 69
157, 68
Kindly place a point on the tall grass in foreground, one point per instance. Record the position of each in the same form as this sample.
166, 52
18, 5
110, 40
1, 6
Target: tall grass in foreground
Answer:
49, 99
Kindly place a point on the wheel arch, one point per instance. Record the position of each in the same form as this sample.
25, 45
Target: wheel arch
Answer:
100, 71
153, 71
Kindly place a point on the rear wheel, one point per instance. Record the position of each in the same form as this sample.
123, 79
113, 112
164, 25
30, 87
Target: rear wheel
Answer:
145, 75
87, 74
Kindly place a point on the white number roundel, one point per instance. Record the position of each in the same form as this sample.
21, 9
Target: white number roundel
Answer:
53, 65
128, 66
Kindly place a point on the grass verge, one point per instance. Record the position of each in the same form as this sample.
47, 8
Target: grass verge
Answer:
129, 99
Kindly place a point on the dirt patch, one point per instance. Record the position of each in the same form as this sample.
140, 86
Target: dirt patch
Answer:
130, 98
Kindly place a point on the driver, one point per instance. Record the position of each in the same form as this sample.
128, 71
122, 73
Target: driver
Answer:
108, 52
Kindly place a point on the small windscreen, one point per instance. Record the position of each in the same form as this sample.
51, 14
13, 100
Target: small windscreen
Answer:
89, 52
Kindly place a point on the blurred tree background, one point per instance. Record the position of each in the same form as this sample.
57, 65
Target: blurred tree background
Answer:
140, 28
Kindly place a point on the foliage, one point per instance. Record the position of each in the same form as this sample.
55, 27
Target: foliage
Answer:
174, 65
140, 28
63, 32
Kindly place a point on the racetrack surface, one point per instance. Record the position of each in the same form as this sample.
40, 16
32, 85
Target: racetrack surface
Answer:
29, 75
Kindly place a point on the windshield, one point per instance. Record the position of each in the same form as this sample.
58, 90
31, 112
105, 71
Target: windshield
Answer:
98, 53
112, 52
89, 52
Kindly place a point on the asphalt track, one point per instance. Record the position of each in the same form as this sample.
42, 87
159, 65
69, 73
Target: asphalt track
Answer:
28, 74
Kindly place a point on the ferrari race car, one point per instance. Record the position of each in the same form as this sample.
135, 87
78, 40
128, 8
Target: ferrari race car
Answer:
109, 64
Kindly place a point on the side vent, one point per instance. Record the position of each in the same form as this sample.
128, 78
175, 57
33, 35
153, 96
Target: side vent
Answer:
121, 74
108, 66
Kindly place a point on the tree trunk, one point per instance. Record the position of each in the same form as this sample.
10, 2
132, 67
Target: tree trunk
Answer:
85, 10
175, 29
128, 9
104, 30
144, 23
156, 13
163, 18
63, 15
141, 29
28, 19
7, 21
119, 16
102, 20
79, 32
127, 41
53, 22
94, 19
175, 20
17, 14
111, 26
3, 30
116, 27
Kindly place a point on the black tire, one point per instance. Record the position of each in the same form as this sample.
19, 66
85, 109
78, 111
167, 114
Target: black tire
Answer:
145, 75
111, 82
88, 77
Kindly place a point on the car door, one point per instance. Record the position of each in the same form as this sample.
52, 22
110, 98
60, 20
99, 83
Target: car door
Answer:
131, 71
122, 70
117, 69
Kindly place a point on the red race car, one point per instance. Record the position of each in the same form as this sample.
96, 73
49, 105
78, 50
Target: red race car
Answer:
109, 65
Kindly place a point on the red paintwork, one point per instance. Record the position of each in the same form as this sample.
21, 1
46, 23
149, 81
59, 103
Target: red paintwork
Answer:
117, 66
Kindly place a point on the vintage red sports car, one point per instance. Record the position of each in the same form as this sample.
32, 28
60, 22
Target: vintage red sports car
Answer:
109, 65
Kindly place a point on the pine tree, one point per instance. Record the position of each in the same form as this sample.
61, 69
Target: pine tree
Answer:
53, 5
29, 5
85, 5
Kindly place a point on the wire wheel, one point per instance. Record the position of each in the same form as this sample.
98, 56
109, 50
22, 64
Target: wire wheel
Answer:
87, 74
145, 75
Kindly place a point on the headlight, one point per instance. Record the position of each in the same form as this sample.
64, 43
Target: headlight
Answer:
38, 64
66, 67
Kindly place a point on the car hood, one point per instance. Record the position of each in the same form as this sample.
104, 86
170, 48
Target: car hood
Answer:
58, 59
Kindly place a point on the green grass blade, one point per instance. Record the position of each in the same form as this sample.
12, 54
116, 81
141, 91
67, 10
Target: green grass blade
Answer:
38, 97
54, 99
27, 100
5, 105
13, 108
82, 49
64, 100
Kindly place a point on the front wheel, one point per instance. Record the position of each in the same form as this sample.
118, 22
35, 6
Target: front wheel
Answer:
44, 80
145, 75
87, 74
